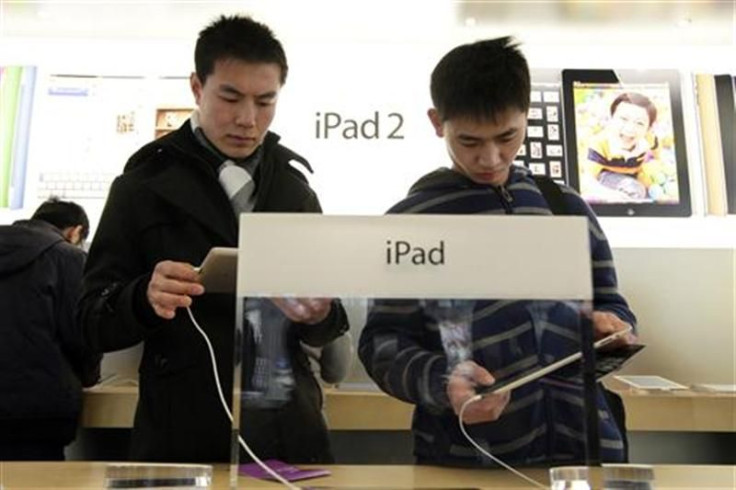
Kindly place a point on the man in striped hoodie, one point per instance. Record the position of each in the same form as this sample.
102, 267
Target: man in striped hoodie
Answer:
481, 96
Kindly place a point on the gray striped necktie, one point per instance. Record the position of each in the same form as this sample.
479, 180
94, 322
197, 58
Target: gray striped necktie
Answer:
238, 185
235, 180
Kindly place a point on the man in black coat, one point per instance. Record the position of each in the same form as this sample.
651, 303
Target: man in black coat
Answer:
43, 360
178, 197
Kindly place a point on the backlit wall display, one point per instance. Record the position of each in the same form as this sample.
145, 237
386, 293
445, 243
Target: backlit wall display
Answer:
99, 121
16, 103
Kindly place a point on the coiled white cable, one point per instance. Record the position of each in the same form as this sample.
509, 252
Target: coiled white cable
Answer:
227, 410
486, 453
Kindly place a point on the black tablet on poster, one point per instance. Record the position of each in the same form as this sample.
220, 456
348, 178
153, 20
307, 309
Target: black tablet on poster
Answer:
726, 97
626, 141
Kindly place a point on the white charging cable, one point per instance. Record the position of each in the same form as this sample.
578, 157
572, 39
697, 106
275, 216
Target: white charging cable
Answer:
293, 487
247, 449
477, 398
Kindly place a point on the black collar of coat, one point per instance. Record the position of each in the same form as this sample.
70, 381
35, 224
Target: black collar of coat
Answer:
169, 167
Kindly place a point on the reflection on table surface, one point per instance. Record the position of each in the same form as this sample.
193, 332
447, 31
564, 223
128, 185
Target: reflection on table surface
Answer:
90, 475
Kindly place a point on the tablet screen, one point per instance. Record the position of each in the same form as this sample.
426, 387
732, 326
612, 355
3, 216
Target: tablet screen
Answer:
647, 382
626, 142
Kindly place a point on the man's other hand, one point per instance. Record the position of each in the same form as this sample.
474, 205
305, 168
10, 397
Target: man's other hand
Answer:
304, 310
461, 386
605, 323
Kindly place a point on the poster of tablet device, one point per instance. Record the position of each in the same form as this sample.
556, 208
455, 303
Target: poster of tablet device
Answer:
714, 95
17, 85
543, 150
726, 97
625, 141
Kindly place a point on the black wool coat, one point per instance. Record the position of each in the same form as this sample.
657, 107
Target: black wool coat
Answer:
169, 205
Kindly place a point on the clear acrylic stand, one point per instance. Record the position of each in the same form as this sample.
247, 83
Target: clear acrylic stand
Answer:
545, 260
607, 477
158, 476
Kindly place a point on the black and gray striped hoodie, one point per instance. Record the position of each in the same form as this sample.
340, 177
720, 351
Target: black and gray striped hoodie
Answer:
401, 348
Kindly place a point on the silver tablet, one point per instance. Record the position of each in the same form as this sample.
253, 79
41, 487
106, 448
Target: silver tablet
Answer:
219, 269
526, 377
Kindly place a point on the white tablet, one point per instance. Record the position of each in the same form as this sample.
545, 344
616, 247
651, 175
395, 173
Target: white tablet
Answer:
714, 388
219, 269
650, 383
514, 382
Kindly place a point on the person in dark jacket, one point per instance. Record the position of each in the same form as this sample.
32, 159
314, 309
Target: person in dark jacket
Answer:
481, 96
178, 197
43, 359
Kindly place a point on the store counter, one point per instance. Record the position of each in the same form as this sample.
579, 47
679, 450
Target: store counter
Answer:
112, 405
677, 410
87, 475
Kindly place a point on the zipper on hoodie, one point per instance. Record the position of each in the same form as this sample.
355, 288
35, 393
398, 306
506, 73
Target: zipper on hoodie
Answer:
506, 198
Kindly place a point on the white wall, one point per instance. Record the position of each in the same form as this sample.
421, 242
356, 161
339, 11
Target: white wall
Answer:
685, 301
359, 58
356, 59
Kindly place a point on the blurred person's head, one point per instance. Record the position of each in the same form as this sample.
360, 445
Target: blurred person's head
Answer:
240, 68
481, 96
69, 217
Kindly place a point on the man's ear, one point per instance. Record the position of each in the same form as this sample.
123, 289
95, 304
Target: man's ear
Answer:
434, 118
196, 87
73, 234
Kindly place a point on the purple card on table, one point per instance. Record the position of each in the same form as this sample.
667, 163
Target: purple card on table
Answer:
285, 470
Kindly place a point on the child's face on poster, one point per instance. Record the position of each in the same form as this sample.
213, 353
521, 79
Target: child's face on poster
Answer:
629, 124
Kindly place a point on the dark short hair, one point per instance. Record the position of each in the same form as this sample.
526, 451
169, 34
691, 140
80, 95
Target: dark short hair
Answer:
240, 38
63, 214
637, 99
481, 80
